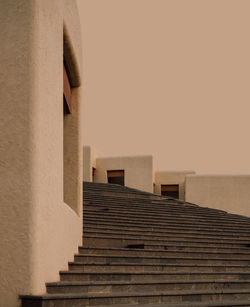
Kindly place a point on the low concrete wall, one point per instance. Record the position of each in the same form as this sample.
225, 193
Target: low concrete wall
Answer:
138, 170
226, 192
177, 177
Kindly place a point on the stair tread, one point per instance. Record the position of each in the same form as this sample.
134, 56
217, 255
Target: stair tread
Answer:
63, 283
160, 250
167, 214
199, 304
153, 273
167, 230
162, 264
173, 225
157, 257
165, 210
105, 235
122, 294
167, 234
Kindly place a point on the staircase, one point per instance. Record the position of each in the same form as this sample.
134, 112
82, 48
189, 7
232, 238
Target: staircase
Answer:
145, 250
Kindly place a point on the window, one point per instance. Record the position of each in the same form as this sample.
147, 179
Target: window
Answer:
116, 177
93, 173
171, 190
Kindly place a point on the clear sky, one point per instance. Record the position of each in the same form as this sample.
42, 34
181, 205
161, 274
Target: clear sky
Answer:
169, 78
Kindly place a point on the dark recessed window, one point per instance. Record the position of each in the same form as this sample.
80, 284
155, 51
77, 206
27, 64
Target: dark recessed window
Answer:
93, 173
171, 190
116, 177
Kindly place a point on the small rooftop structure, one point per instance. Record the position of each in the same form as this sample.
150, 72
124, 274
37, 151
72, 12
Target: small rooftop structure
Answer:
131, 171
134, 172
171, 183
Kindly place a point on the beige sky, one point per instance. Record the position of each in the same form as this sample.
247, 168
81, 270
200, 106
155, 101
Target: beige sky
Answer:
169, 78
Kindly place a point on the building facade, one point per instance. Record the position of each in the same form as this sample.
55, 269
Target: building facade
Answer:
40, 144
134, 172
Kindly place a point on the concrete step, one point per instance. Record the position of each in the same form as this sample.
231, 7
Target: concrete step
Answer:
167, 237
127, 196
169, 297
109, 241
145, 202
120, 198
96, 186
154, 221
149, 204
134, 287
227, 303
196, 247
153, 252
147, 208
167, 211
166, 259
120, 189
150, 276
179, 246
137, 267
159, 234
115, 194
174, 225
162, 218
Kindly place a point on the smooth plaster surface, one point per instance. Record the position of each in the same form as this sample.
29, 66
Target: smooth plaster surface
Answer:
226, 192
39, 233
167, 177
138, 170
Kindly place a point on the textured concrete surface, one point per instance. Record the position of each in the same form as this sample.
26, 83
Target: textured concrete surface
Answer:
39, 232
226, 192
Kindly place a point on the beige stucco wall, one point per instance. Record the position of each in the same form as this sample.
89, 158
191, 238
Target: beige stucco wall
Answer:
89, 161
39, 233
226, 192
138, 170
168, 177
